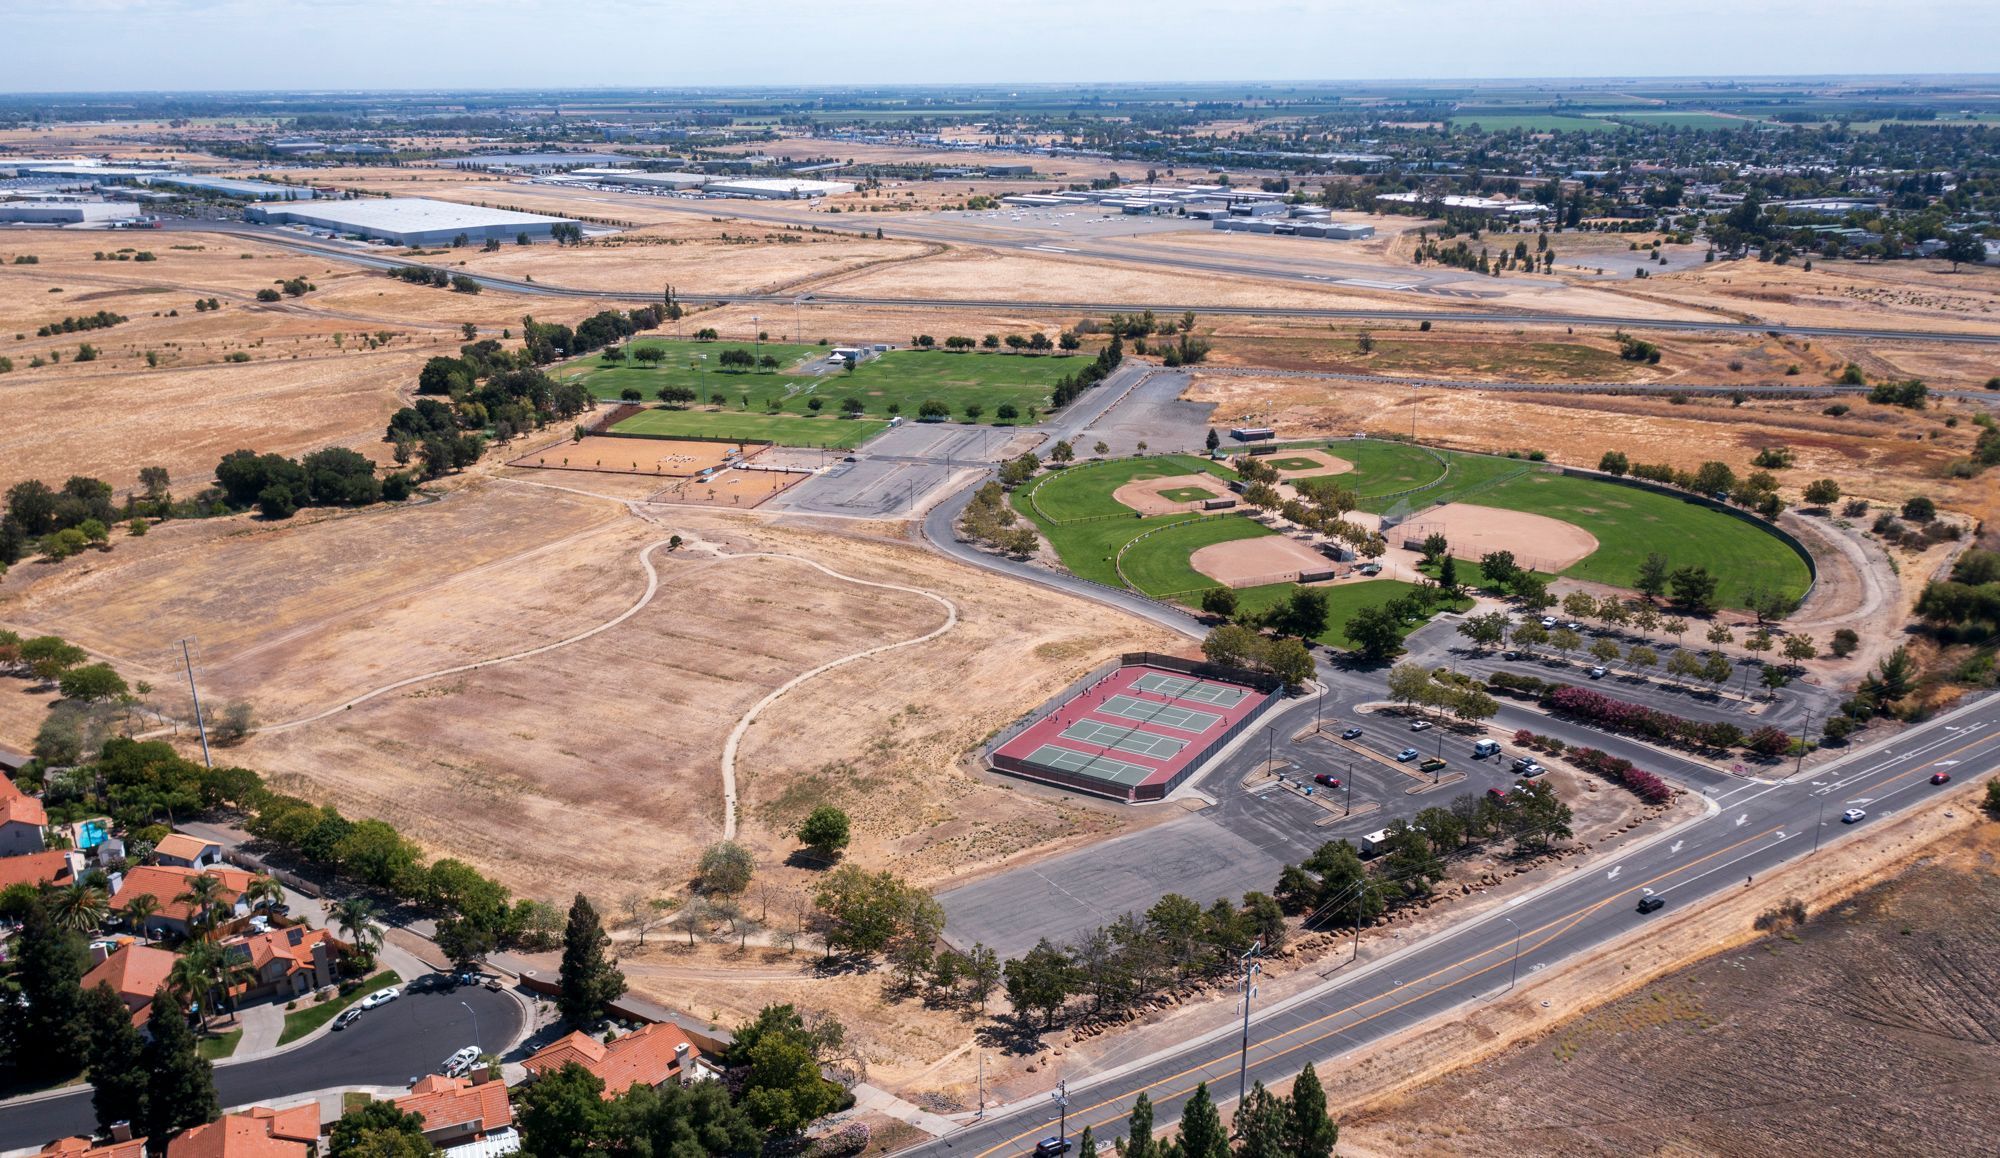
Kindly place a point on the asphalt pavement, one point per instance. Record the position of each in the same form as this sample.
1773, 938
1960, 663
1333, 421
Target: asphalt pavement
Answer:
389, 1046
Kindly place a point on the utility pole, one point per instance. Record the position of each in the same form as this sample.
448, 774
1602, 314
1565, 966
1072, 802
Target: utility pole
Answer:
1803, 733
1061, 1099
1515, 972
1819, 825
1251, 968
1319, 712
199, 722
982, 1087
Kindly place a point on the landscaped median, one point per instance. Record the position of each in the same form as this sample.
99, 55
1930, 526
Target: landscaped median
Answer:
301, 1022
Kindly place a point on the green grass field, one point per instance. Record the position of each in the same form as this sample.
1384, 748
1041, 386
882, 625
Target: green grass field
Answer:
1158, 565
1382, 468
1280, 462
1342, 601
1531, 122
1630, 522
1187, 494
898, 382
832, 433
1084, 491
1683, 120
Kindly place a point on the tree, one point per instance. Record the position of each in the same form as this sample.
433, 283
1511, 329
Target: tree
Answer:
204, 896
1579, 605
180, 1084
588, 980
376, 1129
1202, 1135
1310, 1131
1963, 247
79, 908
1139, 1129
1893, 679
1694, 588
114, 1051
1800, 648
1485, 631
1377, 633
92, 683
784, 1091
355, 918
1214, 440
1219, 602
1062, 452
1614, 462
1040, 980
1652, 577
1822, 492
1260, 1125
825, 831
726, 868
561, 1112
1303, 615
1719, 635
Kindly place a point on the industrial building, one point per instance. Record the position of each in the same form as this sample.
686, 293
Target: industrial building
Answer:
68, 212
1483, 206
537, 162
641, 179
409, 220
232, 187
776, 188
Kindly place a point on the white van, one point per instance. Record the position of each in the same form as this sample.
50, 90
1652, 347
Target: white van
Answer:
1485, 748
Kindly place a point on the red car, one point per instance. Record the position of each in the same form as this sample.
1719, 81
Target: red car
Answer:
1940, 777
1329, 781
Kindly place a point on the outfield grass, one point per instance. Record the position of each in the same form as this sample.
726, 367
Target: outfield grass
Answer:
303, 1021
1342, 601
832, 433
1084, 491
1187, 494
1281, 462
1629, 523
898, 382
1159, 566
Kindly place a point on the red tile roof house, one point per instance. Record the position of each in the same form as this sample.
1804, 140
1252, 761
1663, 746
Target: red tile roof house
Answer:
85, 1148
288, 962
653, 1055
259, 1133
136, 972
21, 821
163, 883
55, 867
179, 850
458, 1110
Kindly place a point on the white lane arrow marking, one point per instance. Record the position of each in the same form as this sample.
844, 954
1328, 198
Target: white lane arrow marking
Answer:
1861, 800
1613, 874
1742, 820
1675, 847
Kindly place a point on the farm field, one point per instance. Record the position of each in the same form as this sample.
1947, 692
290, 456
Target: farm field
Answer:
1686, 120
1532, 122
829, 432
1629, 523
898, 382
1342, 601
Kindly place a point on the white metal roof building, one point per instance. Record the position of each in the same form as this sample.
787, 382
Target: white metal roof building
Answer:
409, 220
67, 212
232, 187
777, 188
642, 178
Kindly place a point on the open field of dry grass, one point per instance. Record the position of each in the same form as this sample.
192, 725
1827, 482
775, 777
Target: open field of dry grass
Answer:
310, 379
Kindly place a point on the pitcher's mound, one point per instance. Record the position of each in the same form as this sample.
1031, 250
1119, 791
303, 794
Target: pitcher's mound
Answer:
1173, 495
1538, 542
1255, 562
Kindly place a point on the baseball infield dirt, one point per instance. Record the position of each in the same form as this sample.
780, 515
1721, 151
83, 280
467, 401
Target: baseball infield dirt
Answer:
1536, 540
1328, 464
1253, 562
1149, 496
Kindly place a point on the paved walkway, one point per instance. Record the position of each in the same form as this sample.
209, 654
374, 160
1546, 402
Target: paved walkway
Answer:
867, 1097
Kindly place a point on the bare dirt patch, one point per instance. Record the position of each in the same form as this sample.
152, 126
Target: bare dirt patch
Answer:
1149, 496
1538, 541
672, 458
1254, 562
742, 489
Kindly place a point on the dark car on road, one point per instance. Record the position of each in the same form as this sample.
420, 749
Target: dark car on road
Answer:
1652, 904
347, 1019
1049, 1147
1940, 777
1327, 779
1351, 734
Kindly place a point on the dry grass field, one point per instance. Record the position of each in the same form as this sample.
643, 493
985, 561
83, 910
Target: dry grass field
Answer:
310, 378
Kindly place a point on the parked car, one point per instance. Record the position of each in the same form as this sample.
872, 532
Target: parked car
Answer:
1573, 626
1940, 777
1049, 1147
423, 984
1510, 655
381, 997
1548, 621
1598, 672
495, 984
1406, 755
346, 1019
1497, 795
461, 1061
1434, 764
1420, 725
1652, 904
1351, 734
1531, 770
1852, 815
1485, 748
1327, 779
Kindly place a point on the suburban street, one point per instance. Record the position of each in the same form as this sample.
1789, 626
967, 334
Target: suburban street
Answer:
390, 1046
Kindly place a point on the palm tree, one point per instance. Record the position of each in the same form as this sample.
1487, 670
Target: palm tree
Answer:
80, 908
141, 909
192, 975
264, 891
354, 917
232, 969
203, 897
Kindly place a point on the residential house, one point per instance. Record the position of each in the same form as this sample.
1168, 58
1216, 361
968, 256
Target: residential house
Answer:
179, 850
21, 821
57, 866
459, 1110
85, 1148
136, 972
652, 1056
259, 1133
164, 883
287, 961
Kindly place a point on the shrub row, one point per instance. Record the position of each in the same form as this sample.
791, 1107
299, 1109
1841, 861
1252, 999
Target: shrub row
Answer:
1639, 720
1620, 771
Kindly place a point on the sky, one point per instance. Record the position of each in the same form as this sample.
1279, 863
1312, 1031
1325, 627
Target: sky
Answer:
128, 45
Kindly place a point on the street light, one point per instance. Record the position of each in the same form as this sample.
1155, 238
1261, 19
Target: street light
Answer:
475, 1023
1251, 969
1514, 972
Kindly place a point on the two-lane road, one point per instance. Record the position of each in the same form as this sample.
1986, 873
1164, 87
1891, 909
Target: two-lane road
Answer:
1756, 828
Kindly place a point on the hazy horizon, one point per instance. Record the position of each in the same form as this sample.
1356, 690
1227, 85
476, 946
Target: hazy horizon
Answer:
130, 46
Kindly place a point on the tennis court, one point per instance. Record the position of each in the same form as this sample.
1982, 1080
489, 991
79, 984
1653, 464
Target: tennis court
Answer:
1149, 712
1082, 763
1124, 739
1176, 687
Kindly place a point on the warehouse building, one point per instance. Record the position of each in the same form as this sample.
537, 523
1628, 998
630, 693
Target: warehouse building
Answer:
67, 212
639, 178
409, 220
777, 188
232, 187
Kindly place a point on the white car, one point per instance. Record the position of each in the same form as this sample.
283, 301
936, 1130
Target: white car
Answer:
1548, 621
1597, 673
1852, 815
461, 1061
380, 998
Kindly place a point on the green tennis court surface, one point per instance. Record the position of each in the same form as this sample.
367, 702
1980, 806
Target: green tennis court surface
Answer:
1183, 688
1124, 739
1148, 712
1102, 767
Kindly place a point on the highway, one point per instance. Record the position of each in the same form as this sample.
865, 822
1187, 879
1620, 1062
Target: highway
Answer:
1754, 829
376, 260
